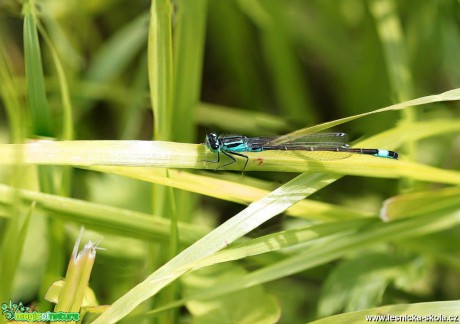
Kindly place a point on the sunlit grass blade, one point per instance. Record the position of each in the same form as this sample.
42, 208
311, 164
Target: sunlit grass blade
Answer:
302, 238
179, 155
150, 77
235, 191
396, 137
254, 215
451, 95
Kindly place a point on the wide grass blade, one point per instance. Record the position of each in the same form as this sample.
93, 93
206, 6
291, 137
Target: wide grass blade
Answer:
179, 155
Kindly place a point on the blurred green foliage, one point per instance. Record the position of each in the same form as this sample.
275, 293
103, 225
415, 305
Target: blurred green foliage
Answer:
140, 70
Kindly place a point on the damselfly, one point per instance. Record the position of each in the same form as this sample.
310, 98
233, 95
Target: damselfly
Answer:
330, 146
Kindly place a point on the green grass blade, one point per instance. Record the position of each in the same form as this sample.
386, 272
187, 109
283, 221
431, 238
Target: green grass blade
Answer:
189, 36
233, 191
286, 73
76, 281
396, 55
10, 98
355, 237
393, 42
402, 312
179, 155
376, 233
313, 235
239, 120
239, 225
161, 67
222, 310
99, 68
105, 218
38, 103
11, 246
233, 35
451, 95
117, 53
67, 116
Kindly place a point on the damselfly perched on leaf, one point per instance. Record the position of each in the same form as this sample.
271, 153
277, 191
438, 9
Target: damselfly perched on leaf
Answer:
319, 146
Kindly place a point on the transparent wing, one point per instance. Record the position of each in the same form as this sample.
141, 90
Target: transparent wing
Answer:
318, 146
314, 155
317, 139
260, 141
310, 140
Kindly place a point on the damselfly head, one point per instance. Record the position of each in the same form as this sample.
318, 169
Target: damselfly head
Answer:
212, 141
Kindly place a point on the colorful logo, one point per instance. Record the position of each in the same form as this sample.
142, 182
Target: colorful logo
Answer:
19, 312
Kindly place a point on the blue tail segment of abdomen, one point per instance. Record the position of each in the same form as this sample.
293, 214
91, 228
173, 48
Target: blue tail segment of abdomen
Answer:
387, 154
